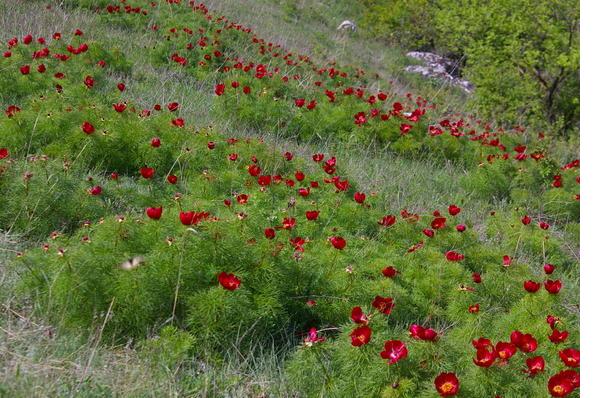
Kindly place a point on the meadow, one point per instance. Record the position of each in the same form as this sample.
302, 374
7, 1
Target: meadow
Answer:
232, 199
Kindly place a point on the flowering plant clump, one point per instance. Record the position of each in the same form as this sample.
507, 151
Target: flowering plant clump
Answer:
160, 222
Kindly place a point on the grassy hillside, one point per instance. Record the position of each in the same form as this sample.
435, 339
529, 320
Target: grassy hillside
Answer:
233, 199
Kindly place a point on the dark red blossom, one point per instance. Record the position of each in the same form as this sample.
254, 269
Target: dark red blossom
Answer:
393, 351
229, 281
447, 384
360, 336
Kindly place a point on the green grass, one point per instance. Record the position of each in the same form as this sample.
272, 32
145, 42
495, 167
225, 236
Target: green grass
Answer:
53, 353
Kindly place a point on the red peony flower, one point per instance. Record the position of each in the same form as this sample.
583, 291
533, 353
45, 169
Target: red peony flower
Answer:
553, 287
570, 357
526, 220
3, 153
560, 385
476, 277
558, 337
549, 269
535, 365
119, 107
360, 336
447, 384
473, 309
154, 212
428, 232
389, 271
95, 191
383, 304
420, 333
147, 172
453, 210
228, 281
505, 350
506, 261
359, 197
393, 351
485, 358
289, 223
531, 286
358, 316
155, 142
269, 233
312, 215
338, 242
312, 337
387, 221
451, 255
461, 227
219, 89
172, 179
87, 128
438, 223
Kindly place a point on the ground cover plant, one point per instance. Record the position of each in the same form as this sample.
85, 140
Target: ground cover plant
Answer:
189, 242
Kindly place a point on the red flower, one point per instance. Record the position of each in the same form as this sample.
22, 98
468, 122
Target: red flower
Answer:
172, 106
570, 357
318, 157
338, 242
429, 232
360, 118
506, 261
121, 87
288, 156
461, 227
219, 89
3, 153
299, 102
438, 223
179, 122
269, 233
289, 223
155, 142
389, 271
312, 337
484, 358
192, 217
561, 384
447, 384
525, 342
535, 365
558, 337
476, 277
526, 220
229, 281
544, 225
505, 350
453, 210
154, 212
120, 107
172, 179
360, 336
264, 181
95, 191
531, 286
482, 342
25, 69
451, 255
387, 221
553, 287
359, 197
393, 351
87, 128
312, 215
420, 333
246, 90
358, 316
548, 269
383, 304
147, 172
473, 309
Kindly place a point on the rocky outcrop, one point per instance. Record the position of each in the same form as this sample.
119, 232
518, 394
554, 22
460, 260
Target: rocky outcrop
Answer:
438, 67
